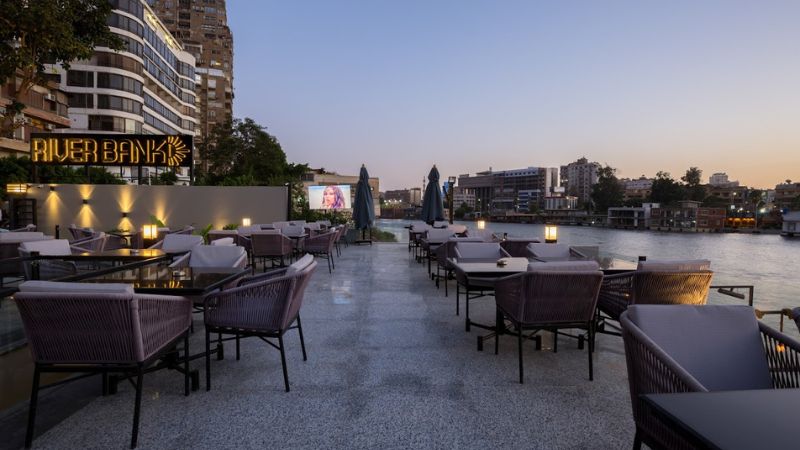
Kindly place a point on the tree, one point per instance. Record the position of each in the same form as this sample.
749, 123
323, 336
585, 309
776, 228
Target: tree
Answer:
608, 191
242, 153
38, 32
694, 189
665, 190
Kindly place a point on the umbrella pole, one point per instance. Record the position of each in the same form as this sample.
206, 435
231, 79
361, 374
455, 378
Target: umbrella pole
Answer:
364, 239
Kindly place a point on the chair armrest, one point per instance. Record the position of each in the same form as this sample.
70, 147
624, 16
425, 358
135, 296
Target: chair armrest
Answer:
162, 318
183, 261
783, 357
576, 253
244, 241
241, 262
158, 244
275, 273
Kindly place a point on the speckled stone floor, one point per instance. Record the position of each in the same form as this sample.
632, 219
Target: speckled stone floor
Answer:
390, 366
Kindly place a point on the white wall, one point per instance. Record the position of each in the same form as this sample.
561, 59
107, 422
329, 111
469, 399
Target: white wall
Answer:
176, 206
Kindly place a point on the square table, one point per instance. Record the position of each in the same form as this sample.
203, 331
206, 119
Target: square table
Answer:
748, 419
162, 279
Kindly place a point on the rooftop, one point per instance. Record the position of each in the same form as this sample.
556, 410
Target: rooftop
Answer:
389, 365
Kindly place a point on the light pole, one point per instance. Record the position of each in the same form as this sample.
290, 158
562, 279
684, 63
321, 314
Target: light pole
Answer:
450, 191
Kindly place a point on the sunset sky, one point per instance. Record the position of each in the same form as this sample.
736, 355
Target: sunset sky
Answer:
641, 86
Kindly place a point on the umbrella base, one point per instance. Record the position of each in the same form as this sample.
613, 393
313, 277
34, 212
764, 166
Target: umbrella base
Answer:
364, 239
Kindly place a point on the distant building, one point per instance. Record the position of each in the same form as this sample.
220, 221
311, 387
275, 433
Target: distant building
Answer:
560, 202
511, 190
45, 111
734, 196
638, 189
786, 193
146, 88
638, 217
320, 178
403, 197
688, 216
578, 178
463, 196
791, 224
720, 179
202, 28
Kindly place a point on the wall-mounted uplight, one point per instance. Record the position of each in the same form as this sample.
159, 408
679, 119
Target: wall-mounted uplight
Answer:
550, 234
246, 222
124, 214
16, 188
52, 188
86, 201
150, 231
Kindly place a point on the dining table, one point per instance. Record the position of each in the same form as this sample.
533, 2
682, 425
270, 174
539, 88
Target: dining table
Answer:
732, 420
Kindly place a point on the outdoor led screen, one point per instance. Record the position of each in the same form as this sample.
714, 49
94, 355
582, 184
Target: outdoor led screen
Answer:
112, 149
329, 197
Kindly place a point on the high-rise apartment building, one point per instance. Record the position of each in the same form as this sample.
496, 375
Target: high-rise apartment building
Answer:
146, 88
511, 190
578, 178
202, 27
45, 111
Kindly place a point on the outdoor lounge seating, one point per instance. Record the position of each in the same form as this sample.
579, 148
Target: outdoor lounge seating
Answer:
686, 348
653, 282
100, 328
477, 285
178, 243
479, 250
272, 245
443, 254
211, 258
49, 268
559, 297
553, 252
9, 248
265, 309
322, 245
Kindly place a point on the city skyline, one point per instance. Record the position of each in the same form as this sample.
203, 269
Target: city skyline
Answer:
469, 85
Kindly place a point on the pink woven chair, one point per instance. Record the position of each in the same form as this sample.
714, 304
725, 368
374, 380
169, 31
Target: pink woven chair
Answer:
322, 245
270, 245
263, 307
103, 329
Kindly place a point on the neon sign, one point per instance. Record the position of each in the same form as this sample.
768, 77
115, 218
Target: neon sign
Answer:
112, 149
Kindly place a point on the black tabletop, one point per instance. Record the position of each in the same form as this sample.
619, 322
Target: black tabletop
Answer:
754, 419
160, 279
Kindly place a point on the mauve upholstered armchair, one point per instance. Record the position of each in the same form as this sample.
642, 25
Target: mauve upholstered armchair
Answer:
100, 328
518, 247
475, 287
653, 282
689, 348
552, 252
322, 245
443, 254
265, 306
549, 300
270, 245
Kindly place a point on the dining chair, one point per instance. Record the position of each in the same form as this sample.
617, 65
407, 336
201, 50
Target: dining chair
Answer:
95, 328
263, 307
691, 348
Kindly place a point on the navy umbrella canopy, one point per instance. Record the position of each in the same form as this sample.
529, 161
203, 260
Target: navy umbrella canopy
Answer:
363, 209
432, 208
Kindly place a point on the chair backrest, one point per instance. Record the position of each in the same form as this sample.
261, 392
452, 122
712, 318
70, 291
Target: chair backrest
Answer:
96, 243
562, 266
485, 235
300, 264
212, 256
550, 297
422, 226
479, 250
61, 286
22, 236
437, 235
50, 247
456, 228
440, 224
176, 243
188, 229
447, 250
293, 230
270, 243
518, 247
549, 251
223, 241
673, 288
688, 265
719, 345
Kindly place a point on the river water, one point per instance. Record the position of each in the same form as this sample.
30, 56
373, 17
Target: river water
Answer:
767, 261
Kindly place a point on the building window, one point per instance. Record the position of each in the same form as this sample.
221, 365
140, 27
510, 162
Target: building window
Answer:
81, 100
80, 78
119, 104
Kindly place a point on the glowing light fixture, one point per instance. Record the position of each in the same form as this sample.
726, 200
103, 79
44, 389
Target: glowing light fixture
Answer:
246, 222
16, 188
150, 231
86, 201
481, 224
52, 188
550, 234
124, 214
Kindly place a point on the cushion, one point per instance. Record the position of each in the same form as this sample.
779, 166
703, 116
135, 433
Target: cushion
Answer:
436, 235
719, 345
300, 264
688, 265
549, 250
60, 286
563, 266
51, 247
216, 256
457, 228
22, 236
223, 241
175, 243
488, 250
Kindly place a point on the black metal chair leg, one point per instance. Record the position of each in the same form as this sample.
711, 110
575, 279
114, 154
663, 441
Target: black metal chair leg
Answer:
333, 263
138, 407
458, 293
238, 353
466, 311
32, 407
329, 266
208, 361
498, 324
283, 363
637, 440
302, 342
186, 364
519, 350
555, 341
591, 338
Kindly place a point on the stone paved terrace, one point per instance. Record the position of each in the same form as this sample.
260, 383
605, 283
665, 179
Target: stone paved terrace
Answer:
390, 366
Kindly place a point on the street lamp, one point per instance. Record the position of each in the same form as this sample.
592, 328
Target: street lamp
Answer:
450, 189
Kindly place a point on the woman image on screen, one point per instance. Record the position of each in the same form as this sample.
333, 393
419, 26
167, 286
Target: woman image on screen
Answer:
332, 198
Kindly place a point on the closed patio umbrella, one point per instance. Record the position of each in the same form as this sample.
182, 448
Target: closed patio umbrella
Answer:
432, 208
363, 209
